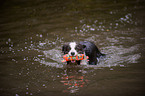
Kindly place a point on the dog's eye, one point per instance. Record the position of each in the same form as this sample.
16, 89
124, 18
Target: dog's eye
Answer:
78, 49
68, 48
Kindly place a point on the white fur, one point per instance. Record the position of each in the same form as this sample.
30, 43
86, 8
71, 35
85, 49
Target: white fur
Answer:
72, 46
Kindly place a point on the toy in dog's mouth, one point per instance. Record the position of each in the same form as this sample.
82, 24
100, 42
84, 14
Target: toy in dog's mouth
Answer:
73, 59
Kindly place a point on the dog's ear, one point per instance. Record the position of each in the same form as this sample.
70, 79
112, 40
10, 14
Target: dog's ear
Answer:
65, 48
84, 46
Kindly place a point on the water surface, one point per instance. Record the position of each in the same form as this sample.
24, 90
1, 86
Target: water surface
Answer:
33, 32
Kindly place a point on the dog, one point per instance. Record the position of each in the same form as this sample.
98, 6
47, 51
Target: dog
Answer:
84, 47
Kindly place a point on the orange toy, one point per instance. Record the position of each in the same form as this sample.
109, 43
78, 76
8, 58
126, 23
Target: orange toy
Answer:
67, 57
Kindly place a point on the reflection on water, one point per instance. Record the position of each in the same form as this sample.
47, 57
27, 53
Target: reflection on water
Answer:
74, 79
32, 34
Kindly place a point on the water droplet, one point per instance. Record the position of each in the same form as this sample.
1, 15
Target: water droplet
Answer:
116, 24
111, 68
41, 35
9, 40
24, 59
111, 12
6, 42
13, 60
127, 17
10, 48
43, 84
27, 92
16, 95
122, 19
95, 21
102, 29
92, 29
25, 42
122, 66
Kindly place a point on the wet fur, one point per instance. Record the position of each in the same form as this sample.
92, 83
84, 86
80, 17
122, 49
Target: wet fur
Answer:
84, 47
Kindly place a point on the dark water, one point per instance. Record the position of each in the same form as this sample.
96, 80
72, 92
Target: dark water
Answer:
33, 31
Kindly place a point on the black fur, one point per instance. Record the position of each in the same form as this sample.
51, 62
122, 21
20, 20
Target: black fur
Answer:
91, 51
65, 48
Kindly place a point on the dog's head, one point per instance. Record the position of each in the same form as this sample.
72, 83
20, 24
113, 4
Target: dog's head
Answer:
73, 49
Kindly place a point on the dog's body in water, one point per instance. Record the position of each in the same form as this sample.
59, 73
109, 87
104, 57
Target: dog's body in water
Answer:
84, 47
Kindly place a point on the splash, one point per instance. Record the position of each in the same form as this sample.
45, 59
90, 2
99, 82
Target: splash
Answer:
115, 56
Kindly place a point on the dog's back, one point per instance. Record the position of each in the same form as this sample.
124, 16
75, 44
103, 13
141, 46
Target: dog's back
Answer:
92, 51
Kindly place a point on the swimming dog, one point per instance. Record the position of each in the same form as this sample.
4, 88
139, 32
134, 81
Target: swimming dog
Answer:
84, 47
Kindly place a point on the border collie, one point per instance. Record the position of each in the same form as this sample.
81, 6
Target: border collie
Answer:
84, 47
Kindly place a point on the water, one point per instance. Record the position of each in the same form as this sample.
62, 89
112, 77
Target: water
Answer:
33, 32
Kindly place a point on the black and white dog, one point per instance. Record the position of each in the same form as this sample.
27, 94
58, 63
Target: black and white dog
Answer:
84, 47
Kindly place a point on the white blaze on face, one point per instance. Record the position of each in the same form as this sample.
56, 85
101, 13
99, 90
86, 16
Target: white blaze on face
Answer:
72, 46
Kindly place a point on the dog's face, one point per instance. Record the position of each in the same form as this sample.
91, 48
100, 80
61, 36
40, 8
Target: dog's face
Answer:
73, 49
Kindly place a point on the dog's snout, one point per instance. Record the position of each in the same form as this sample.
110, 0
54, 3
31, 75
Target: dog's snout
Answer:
72, 53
